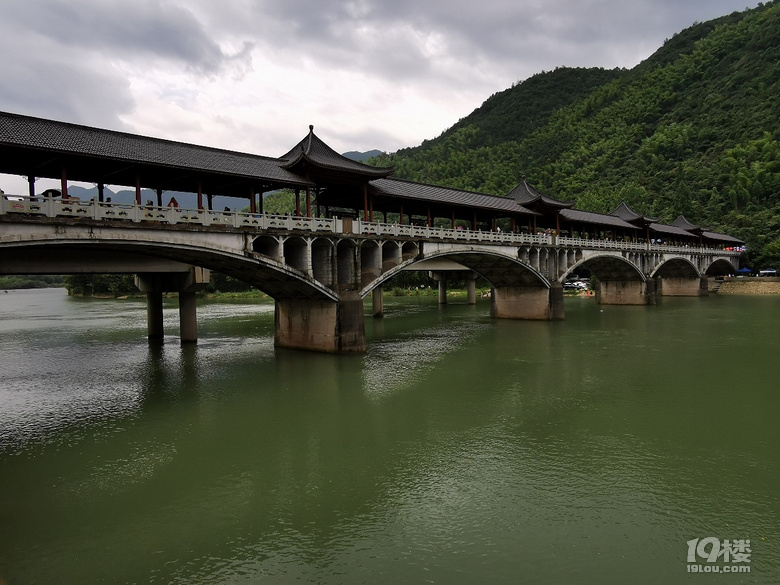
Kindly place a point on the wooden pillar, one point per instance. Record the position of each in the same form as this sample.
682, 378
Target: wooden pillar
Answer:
200, 195
159, 197
64, 183
101, 189
252, 202
210, 201
371, 209
31, 186
138, 189
557, 223
260, 203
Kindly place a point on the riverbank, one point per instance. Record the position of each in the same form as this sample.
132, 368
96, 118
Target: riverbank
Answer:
750, 286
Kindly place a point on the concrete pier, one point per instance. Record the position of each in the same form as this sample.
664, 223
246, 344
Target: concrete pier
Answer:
321, 325
377, 302
186, 284
682, 286
522, 302
625, 292
188, 318
154, 315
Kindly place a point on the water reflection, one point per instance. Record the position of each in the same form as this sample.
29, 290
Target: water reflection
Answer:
458, 449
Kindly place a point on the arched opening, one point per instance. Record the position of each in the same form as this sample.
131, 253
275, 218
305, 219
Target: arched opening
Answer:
295, 254
268, 246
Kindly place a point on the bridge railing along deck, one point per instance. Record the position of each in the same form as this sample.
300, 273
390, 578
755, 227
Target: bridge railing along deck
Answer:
52, 207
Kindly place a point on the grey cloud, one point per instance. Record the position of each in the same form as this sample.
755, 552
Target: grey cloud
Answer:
132, 31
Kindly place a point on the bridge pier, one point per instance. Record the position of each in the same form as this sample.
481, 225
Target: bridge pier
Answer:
188, 317
441, 278
154, 315
377, 302
321, 324
527, 302
683, 287
186, 284
625, 292
471, 288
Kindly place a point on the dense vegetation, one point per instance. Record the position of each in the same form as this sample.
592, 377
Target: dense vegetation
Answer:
694, 129
30, 281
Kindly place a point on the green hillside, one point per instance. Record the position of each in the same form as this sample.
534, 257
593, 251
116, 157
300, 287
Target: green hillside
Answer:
694, 129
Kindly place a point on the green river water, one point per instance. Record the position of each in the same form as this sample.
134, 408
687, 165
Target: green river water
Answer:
458, 449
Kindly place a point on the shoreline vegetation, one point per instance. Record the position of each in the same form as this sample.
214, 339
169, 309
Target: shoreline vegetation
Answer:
732, 286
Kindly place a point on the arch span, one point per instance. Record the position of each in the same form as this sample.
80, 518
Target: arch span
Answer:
720, 267
676, 268
608, 267
498, 269
137, 256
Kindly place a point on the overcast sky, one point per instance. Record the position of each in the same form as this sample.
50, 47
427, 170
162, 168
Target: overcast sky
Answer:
251, 75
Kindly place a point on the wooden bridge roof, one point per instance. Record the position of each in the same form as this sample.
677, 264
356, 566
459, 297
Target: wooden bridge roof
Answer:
435, 195
311, 156
609, 221
526, 195
624, 212
41, 148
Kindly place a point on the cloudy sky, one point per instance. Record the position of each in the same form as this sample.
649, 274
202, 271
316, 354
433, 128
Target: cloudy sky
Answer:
251, 75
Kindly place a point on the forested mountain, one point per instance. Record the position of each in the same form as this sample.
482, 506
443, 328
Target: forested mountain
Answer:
694, 129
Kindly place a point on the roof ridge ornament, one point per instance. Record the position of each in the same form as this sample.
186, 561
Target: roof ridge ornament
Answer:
311, 134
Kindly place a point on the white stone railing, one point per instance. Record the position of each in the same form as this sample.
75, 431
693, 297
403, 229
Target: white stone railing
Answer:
92, 209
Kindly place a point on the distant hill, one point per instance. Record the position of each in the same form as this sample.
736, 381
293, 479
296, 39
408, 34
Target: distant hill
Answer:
694, 129
362, 156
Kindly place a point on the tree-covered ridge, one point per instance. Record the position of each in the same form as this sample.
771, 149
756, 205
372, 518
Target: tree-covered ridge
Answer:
693, 129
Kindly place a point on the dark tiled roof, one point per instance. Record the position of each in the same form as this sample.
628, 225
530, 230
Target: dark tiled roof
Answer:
313, 150
682, 222
662, 228
624, 212
722, 238
445, 195
524, 194
577, 215
73, 139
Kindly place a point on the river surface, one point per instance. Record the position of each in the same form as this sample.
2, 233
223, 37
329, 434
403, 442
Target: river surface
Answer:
458, 449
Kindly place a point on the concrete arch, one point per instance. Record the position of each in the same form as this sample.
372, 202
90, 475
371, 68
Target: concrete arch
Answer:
370, 261
270, 246
499, 269
323, 253
608, 267
676, 268
78, 253
720, 267
296, 253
